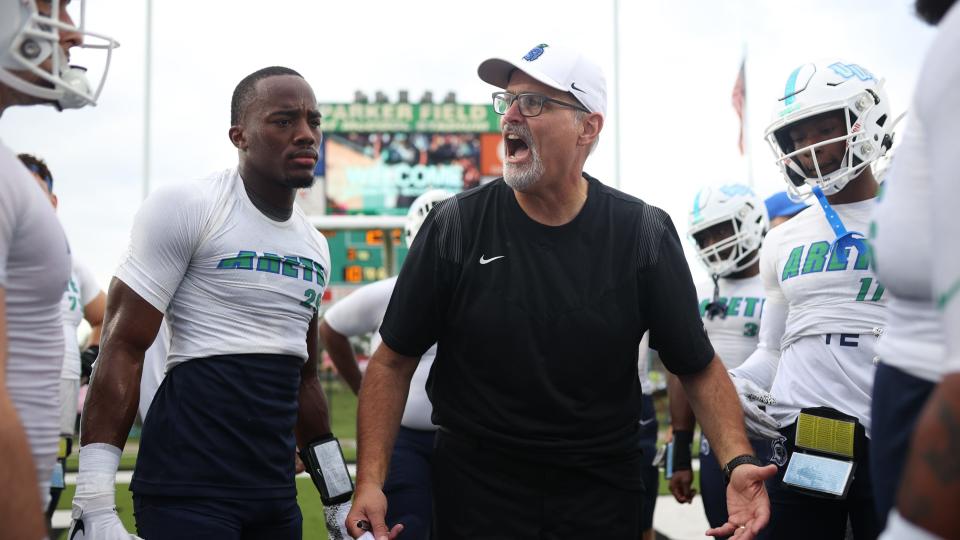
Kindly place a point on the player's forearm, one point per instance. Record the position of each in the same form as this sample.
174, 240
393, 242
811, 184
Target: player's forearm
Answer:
111, 403
930, 493
382, 398
20, 509
341, 354
313, 419
681, 413
717, 408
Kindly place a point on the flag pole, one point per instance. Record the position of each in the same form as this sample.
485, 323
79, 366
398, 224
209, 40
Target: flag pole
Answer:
616, 93
147, 84
747, 154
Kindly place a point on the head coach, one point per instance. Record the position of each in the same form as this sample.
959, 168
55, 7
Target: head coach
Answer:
537, 288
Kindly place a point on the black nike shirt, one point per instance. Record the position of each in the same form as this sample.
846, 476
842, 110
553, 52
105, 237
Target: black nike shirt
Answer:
538, 327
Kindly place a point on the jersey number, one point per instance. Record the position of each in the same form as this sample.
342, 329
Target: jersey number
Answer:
312, 300
750, 329
865, 284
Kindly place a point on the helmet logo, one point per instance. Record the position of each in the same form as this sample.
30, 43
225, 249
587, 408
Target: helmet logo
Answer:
535, 52
735, 189
848, 71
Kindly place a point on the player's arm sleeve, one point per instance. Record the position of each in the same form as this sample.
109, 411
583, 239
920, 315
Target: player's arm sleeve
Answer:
415, 315
362, 311
943, 141
761, 366
164, 236
676, 329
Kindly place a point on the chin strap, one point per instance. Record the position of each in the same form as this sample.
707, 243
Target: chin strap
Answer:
716, 307
845, 238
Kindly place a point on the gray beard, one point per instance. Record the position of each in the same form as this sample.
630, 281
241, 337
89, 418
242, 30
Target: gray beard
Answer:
523, 177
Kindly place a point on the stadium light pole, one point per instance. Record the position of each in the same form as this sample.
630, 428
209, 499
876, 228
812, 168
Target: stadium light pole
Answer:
147, 72
616, 93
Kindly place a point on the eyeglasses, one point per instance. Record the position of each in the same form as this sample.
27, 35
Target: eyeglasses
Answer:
530, 104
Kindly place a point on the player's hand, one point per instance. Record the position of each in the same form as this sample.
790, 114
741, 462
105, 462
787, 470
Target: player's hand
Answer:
97, 523
370, 509
748, 506
759, 424
680, 486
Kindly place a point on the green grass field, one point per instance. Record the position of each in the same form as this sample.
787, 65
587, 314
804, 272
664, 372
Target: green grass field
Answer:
343, 406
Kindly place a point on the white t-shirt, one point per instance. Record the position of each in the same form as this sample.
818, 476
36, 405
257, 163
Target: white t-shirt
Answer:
229, 279
733, 337
34, 269
833, 313
361, 313
81, 290
154, 369
916, 222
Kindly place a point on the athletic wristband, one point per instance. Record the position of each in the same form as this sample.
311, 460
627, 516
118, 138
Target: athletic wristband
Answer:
738, 461
324, 461
682, 460
96, 477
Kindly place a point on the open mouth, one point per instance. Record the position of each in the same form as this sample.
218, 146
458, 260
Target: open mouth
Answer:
517, 148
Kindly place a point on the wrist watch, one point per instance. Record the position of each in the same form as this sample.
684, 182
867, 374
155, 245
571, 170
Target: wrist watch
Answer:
740, 460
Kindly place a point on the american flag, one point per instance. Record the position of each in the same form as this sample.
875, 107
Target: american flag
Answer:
740, 98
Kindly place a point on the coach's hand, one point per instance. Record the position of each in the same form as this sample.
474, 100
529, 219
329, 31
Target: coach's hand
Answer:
680, 486
97, 523
370, 509
759, 424
748, 506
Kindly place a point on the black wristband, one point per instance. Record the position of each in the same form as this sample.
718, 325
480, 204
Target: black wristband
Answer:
682, 459
740, 460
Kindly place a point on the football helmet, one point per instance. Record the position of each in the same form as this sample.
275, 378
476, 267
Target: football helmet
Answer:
419, 210
739, 206
29, 38
817, 88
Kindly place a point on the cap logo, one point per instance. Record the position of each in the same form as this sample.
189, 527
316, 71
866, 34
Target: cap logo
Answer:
535, 52
573, 86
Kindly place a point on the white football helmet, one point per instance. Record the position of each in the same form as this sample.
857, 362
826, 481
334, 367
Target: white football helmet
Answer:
28, 38
419, 209
738, 205
814, 89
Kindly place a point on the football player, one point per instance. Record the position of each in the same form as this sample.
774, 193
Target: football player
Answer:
727, 225
824, 307
36, 37
915, 400
239, 272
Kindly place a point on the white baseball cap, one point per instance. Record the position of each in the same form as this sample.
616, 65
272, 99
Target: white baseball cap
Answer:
557, 67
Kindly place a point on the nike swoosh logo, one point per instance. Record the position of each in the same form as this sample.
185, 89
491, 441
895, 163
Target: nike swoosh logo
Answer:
491, 259
574, 86
647, 421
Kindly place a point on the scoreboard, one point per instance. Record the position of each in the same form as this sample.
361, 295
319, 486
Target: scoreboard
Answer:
362, 256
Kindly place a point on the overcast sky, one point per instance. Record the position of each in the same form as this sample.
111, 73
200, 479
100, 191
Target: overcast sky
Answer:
678, 60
